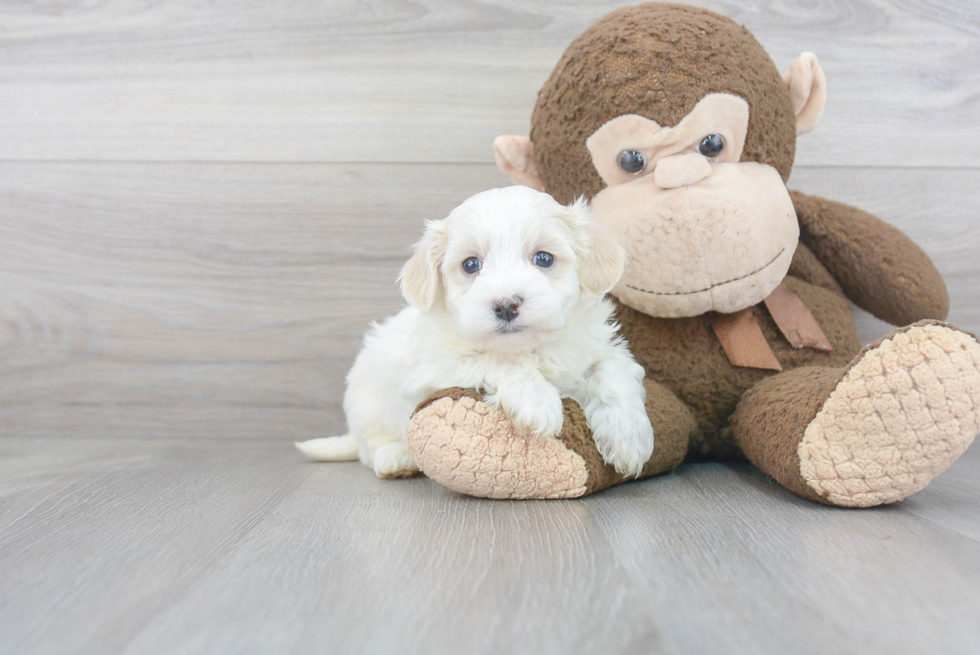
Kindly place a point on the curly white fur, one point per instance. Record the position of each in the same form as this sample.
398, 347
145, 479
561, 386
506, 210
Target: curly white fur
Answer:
561, 343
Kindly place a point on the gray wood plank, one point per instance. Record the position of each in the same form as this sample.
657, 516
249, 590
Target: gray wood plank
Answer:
170, 300
772, 573
97, 536
122, 558
165, 546
434, 80
238, 294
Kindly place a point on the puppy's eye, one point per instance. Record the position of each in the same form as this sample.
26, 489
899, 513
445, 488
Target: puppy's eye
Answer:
711, 145
544, 259
632, 162
472, 265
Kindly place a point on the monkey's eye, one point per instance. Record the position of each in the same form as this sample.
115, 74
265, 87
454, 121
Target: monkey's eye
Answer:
543, 259
711, 145
632, 162
472, 265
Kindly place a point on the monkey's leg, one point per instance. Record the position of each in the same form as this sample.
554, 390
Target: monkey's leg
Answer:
467, 446
873, 432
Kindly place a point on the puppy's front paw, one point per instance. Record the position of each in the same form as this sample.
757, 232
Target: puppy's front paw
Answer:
538, 412
624, 439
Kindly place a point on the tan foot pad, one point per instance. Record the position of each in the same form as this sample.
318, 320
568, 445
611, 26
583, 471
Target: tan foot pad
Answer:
900, 416
467, 446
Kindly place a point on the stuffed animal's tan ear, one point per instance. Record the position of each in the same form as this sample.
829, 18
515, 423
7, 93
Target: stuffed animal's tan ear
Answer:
602, 259
808, 90
515, 159
420, 278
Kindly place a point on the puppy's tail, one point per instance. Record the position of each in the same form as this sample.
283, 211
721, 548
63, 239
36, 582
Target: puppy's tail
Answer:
330, 449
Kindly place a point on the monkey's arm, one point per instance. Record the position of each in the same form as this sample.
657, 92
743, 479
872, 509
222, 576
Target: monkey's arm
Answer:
878, 267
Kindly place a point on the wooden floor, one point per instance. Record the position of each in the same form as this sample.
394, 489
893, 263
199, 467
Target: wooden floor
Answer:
202, 206
220, 546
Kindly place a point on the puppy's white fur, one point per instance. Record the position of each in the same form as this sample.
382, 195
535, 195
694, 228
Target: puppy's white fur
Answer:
561, 343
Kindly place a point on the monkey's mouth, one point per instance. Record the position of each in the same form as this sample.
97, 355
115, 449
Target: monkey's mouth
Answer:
717, 284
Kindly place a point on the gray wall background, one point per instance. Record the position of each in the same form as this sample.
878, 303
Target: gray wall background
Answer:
202, 206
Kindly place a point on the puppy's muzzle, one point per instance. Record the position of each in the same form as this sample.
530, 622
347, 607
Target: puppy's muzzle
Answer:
507, 309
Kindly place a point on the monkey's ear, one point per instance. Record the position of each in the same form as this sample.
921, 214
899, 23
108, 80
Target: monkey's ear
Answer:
420, 278
515, 159
602, 259
808, 90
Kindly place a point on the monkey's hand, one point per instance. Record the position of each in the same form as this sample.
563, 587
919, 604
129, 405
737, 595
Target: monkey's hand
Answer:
878, 267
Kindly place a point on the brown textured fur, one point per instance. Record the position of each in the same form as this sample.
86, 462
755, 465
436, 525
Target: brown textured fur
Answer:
878, 267
685, 356
656, 60
788, 400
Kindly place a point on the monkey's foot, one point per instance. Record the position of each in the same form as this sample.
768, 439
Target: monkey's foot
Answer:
901, 414
466, 445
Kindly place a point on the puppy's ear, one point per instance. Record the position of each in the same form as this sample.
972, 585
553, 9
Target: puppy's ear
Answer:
602, 259
420, 279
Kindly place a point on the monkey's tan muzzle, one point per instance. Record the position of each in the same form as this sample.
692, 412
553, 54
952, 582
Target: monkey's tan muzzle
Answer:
703, 237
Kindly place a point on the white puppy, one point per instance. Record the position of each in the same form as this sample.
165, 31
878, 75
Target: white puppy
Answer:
507, 296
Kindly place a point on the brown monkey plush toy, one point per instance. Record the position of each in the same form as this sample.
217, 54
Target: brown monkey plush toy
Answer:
678, 127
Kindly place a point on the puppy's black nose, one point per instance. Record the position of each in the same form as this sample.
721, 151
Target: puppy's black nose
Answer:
506, 308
